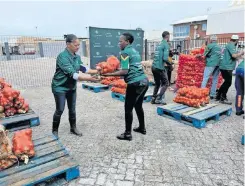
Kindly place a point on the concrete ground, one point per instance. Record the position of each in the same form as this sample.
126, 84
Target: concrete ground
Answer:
171, 154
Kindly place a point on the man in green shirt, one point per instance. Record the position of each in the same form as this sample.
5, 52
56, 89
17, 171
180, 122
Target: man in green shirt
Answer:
137, 85
159, 71
212, 56
227, 65
68, 71
239, 83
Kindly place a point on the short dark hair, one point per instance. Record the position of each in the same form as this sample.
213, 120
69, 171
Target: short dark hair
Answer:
129, 37
165, 33
70, 38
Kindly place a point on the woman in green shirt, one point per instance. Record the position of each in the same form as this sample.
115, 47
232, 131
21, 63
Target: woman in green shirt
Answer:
68, 71
137, 85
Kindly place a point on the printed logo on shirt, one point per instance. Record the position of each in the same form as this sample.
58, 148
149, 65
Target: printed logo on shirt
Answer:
124, 57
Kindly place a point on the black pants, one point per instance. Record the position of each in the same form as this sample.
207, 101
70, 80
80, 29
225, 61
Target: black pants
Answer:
161, 82
60, 99
169, 76
239, 83
227, 76
135, 94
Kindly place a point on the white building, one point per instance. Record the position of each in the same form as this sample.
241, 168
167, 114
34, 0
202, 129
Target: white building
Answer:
227, 22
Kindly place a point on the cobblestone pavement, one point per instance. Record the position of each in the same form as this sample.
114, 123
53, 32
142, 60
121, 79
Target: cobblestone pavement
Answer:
171, 154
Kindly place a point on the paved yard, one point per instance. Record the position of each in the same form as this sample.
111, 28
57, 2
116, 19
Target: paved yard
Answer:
171, 154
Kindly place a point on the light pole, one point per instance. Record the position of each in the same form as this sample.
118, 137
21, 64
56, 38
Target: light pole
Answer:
195, 34
36, 31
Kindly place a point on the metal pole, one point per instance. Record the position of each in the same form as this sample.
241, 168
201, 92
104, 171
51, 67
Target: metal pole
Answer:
84, 51
146, 50
36, 31
40, 45
6, 44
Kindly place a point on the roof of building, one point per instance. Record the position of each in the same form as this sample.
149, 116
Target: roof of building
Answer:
191, 19
230, 9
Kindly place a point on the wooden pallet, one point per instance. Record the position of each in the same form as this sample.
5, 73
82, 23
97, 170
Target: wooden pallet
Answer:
121, 97
51, 159
21, 121
197, 117
95, 87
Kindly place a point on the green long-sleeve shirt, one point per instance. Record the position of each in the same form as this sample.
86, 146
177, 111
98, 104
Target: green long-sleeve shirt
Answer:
130, 60
161, 55
66, 65
212, 54
228, 62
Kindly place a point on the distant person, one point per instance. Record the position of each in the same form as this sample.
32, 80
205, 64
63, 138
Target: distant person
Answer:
159, 70
170, 67
212, 55
137, 85
68, 68
227, 65
239, 83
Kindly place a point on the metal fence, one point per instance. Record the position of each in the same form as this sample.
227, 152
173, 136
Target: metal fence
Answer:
185, 46
30, 61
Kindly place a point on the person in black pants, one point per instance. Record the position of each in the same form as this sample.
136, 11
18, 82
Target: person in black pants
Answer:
170, 67
137, 85
227, 66
159, 70
68, 71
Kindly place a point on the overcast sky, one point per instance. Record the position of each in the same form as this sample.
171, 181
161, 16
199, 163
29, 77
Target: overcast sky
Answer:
58, 18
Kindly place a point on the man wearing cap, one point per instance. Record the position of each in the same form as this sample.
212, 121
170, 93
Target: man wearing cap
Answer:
213, 55
227, 65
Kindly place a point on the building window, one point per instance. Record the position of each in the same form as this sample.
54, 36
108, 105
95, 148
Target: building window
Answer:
204, 26
181, 31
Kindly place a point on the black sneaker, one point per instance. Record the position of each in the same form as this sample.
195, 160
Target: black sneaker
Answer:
240, 113
212, 97
125, 136
153, 101
217, 98
160, 102
137, 129
225, 101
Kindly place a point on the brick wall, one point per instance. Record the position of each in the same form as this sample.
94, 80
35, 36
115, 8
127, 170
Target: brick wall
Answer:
199, 30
